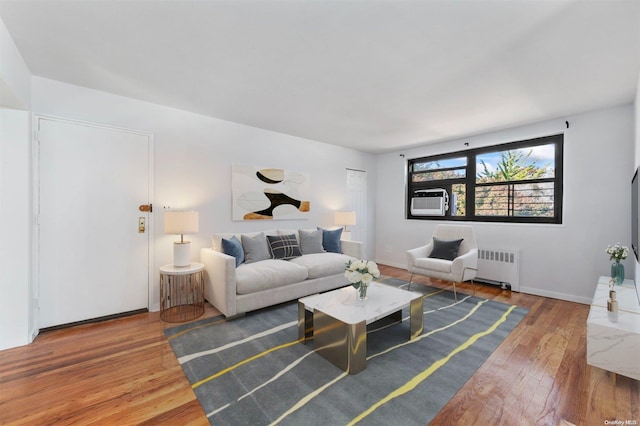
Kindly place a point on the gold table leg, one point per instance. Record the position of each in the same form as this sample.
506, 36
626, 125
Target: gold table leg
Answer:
416, 318
345, 345
305, 323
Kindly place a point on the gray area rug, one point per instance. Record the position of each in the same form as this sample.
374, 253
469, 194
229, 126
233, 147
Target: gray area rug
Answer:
253, 370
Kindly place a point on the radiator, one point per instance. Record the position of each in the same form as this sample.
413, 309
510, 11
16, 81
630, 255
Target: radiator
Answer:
499, 266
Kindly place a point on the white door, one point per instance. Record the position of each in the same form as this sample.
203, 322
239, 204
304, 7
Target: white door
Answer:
93, 261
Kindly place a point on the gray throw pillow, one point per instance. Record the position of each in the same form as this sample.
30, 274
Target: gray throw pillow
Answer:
447, 250
284, 246
255, 248
310, 241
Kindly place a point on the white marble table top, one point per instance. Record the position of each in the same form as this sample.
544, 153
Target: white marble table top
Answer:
192, 268
625, 295
343, 304
628, 317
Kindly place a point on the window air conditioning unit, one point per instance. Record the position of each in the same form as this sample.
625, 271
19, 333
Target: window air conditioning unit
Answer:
430, 202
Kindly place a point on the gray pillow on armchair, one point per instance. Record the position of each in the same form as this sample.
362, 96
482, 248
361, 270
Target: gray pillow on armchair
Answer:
447, 250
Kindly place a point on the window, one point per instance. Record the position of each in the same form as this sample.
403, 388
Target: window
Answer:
513, 182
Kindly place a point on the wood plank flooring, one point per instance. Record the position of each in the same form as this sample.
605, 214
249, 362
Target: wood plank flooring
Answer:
123, 372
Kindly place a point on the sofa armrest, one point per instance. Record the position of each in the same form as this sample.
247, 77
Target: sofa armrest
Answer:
219, 280
352, 248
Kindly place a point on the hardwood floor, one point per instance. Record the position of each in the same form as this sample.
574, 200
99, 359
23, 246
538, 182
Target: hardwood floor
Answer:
124, 372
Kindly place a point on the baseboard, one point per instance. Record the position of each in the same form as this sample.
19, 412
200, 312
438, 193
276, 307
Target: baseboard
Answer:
394, 264
94, 320
556, 295
527, 290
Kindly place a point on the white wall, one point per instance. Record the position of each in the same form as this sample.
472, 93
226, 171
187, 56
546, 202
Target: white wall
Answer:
637, 163
15, 78
16, 326
560, 261
15, 226
193, 157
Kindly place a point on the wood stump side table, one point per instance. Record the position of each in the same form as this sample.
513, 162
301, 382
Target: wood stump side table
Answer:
181, 292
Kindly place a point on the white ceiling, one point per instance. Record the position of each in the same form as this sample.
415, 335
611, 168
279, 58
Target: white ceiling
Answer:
371, 75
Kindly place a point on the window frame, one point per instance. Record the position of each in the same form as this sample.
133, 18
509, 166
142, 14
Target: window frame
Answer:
471, 176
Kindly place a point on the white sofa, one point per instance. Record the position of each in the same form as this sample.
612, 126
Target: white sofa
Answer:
250, 286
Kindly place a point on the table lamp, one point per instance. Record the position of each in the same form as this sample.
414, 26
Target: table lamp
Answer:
345, 219
180, 223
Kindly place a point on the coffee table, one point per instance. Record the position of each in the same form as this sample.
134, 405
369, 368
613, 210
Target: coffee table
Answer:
338, 321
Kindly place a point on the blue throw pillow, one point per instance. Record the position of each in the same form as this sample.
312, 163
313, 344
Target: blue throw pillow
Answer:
233, 247
331, 240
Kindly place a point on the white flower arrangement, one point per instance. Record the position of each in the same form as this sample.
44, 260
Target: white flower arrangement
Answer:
617, 252
361, 271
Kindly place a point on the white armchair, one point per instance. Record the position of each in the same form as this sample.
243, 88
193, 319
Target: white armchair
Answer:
462, 267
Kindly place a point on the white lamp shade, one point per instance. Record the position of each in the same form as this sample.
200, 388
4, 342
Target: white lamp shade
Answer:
345, 218
181, 222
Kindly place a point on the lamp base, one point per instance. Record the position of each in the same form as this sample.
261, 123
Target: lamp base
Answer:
181, 254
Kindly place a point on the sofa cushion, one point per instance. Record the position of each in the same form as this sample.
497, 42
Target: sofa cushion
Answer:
267, 274
216, 239
311, 241
233, 247
331, 240
283, 246
323, 264
443, 249
255, 248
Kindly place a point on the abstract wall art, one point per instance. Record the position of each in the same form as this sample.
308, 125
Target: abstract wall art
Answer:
263, 193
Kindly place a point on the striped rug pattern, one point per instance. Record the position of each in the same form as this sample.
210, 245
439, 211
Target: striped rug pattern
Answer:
254, 371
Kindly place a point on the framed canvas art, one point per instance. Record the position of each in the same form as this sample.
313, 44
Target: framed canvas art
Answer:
263, 193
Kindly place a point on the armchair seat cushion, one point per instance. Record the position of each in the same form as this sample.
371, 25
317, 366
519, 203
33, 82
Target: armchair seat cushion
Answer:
434, 264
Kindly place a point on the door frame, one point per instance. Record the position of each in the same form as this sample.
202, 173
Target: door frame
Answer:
34, 326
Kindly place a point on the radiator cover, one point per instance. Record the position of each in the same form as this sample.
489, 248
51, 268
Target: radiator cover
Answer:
500, 267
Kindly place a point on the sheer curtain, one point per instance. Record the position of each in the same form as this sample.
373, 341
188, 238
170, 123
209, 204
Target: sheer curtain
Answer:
357, 201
